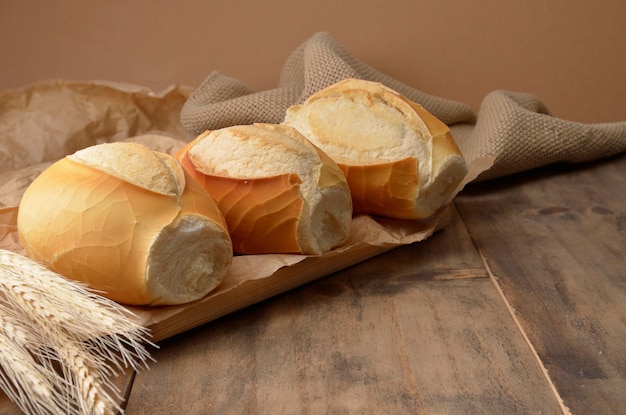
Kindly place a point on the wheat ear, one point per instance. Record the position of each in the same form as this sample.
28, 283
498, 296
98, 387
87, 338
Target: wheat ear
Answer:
23, 380
61, 323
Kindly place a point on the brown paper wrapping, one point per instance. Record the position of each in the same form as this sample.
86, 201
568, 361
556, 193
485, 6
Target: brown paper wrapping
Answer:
44, 122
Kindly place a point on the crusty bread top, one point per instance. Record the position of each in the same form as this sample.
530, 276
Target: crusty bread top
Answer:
260, 150
365, 123
381, 114
253, 151
136, 164
358, 122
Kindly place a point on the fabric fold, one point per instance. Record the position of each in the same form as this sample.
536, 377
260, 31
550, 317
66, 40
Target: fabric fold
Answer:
515, 128
519, 131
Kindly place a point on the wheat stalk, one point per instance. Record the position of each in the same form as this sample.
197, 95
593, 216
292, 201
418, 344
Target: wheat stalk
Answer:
49, 321
90, 389
23, 380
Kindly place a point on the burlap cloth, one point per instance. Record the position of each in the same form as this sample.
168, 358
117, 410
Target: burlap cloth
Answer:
515, 128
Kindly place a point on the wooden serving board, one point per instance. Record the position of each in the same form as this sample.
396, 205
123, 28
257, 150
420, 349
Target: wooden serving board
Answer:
164, 322
254, 278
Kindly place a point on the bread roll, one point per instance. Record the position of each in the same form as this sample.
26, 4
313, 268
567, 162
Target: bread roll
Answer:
399, 160
278, 192
129, 222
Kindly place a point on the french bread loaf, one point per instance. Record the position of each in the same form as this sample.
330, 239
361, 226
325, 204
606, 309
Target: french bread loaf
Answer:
399, 160
277, 191
127, 221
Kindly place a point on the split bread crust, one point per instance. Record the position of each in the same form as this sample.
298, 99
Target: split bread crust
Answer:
278, 192
129, 222
399, 160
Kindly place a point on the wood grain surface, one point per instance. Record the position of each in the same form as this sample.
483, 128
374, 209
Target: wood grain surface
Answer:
420, 328
555, 240
517, 307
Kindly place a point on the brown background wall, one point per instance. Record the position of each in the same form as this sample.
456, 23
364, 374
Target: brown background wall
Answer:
571, 54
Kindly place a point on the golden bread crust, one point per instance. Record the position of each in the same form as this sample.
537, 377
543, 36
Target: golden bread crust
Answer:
376, 135
278, 192
95, 227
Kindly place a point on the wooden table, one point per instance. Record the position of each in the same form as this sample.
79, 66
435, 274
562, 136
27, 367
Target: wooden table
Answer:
517, 307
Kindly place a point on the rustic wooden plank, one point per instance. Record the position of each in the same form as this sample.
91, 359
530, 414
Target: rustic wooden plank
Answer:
420, 328
164, 322
555, 239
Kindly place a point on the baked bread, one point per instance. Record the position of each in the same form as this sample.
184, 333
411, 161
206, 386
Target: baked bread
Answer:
277, 191
400, 161
127, 221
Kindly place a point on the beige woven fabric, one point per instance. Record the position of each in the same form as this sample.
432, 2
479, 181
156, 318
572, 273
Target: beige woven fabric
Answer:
515, 128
